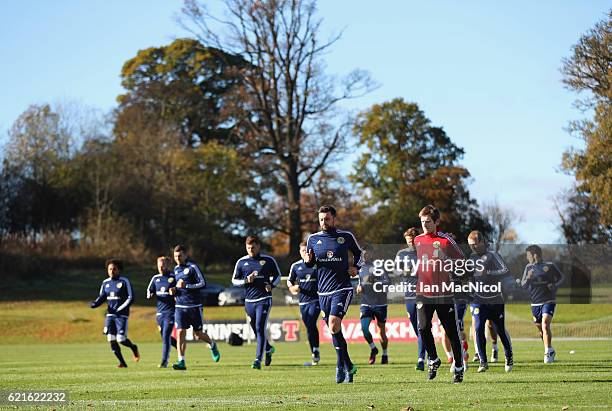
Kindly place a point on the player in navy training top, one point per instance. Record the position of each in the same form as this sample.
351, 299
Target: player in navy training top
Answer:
302, 281
160, 286
188, 305
542, 279
488, 305
407, 258
328, 250
259, 274
373, 304
117, 291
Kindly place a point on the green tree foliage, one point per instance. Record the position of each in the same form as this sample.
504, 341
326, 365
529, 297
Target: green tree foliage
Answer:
185, 85
589, 70
408, 163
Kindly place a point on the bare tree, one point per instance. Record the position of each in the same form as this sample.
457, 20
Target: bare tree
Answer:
502, 220
289, 106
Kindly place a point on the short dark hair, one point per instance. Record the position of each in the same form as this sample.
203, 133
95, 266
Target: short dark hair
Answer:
534, 249
115, 262
327, 209
430, 210
303, 244
180, 247
252, 239
411, 232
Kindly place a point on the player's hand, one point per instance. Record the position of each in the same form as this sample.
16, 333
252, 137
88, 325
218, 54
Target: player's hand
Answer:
251, 277
172, 291
551, 286
311, 256
180, 283
359, 289
294, 289
268, 288
353, 271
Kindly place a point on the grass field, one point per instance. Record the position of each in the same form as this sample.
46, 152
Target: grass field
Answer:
58, 344
88, 373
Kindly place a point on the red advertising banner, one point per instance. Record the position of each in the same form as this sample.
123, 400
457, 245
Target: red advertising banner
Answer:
398, 329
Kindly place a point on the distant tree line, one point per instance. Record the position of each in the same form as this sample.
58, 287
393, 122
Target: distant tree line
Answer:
240, 130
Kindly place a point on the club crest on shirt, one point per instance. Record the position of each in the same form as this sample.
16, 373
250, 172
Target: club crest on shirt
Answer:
330, 254
436, 244
340, 240
170, 280
262, 262
186, 271
371, 269
484, 258
476, 311
119, 285
545, 268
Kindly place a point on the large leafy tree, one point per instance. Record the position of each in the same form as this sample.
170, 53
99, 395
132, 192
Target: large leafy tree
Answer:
589, 71
287, 106
408, 163
185, 85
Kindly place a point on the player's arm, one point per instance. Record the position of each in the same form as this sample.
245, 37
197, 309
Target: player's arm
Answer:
151, 288
294, 288
311, 260
498, 265
130, 296
101, 298
200, 282
526, 279
238, 277
276, 274
453, 251
557, 276
357, 252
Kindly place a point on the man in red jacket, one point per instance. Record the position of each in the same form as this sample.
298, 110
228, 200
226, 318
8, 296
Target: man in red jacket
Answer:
437, 253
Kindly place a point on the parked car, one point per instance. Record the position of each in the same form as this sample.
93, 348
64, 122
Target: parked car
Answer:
232, 296
210, 294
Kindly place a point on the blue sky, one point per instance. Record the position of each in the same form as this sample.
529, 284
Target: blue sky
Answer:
487, 72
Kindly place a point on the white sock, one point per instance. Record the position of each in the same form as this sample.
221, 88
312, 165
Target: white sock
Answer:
372, 345
211, 345
449, 354
315, 350
420, 360
548, 350
385, 351
181, 358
